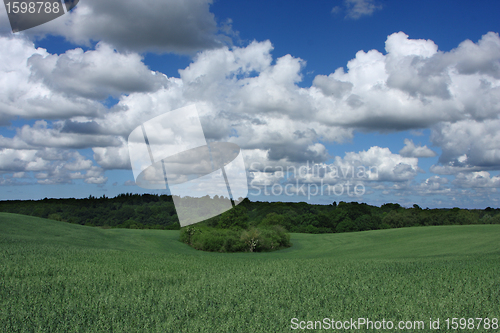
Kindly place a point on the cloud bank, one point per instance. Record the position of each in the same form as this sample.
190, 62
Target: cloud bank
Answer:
247, 97
183, 27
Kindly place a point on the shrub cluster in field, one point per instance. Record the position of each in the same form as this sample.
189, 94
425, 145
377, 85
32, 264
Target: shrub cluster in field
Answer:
231, 232
235, 240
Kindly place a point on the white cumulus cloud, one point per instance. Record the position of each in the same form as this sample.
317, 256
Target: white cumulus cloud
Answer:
411, 150
160, 26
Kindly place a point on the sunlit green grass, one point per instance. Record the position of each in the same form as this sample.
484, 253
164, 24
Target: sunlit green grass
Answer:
59, 277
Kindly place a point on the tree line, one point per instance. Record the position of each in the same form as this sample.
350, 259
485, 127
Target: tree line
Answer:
146, 211
151, 211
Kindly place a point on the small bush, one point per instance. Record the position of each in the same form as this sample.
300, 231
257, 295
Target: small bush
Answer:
55, 217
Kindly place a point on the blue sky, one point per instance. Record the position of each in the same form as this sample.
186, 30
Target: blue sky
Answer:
407, 88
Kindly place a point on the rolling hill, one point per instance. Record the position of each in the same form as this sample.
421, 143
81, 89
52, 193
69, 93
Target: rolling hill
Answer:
57, 276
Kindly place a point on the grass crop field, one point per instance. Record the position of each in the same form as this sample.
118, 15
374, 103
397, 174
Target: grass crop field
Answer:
60, 277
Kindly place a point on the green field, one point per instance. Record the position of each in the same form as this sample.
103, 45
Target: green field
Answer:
61, 277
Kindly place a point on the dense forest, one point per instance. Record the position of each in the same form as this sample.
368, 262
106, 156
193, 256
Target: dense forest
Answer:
158, 212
